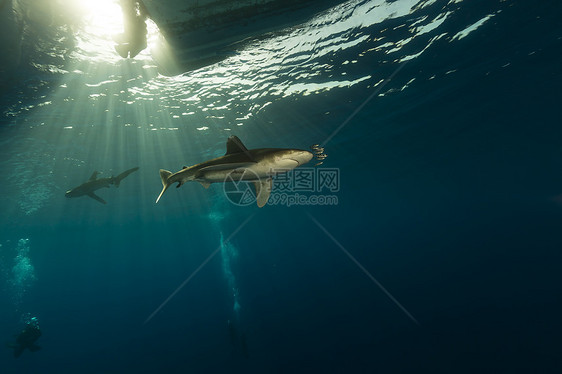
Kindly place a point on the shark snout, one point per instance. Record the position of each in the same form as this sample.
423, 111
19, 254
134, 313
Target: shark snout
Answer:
292, 158
301, 157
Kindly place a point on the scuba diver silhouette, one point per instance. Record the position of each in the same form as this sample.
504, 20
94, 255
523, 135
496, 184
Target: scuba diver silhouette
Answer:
27, 338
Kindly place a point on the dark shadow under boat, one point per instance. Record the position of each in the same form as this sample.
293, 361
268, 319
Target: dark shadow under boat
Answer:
201, 33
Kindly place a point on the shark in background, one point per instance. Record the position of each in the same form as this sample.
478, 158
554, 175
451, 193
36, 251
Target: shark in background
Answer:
240, 163
89, 187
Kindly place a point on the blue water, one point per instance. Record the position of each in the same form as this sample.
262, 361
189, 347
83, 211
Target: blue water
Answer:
441, 255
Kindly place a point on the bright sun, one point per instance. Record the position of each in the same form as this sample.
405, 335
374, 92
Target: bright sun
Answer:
103, 17
114, 28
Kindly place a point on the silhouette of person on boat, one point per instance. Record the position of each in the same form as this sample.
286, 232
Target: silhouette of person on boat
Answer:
133, 39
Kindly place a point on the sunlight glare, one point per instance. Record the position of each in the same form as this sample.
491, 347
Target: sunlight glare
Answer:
103, 18
103, 28
101, 21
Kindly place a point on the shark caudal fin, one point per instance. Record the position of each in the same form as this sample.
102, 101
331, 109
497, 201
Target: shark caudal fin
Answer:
164, 175
117, 180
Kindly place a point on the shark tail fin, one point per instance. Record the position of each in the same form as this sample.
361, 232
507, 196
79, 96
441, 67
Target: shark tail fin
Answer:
164, 175
117, 180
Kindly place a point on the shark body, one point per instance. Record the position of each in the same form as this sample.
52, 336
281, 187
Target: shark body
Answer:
240, 163
89, 187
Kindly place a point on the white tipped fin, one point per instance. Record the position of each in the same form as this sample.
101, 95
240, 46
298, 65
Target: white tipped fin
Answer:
164, 175
263, 191
235, 145
161, 193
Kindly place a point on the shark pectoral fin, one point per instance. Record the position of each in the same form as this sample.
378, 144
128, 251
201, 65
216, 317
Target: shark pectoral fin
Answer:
34, 348
96, 197
231, 166
205, 184
94, 176
263, 191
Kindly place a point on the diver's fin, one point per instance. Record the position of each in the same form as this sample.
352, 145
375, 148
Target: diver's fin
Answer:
232, 332
263, 191
96, 197
244, 346
34, 348
94, 176
18, 350
239, 165
205, 184
121, 176
164, 175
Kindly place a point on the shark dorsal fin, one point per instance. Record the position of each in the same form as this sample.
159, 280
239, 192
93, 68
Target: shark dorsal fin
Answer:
94, 176
235, 145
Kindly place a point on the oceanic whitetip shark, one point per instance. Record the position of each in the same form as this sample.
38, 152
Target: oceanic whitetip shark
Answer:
240, 163
87, 188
